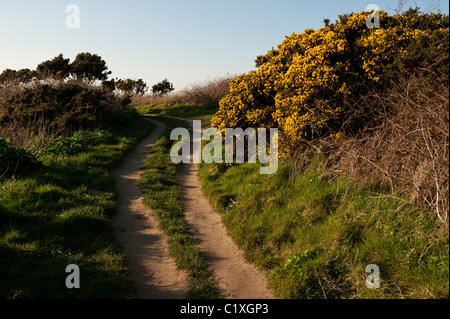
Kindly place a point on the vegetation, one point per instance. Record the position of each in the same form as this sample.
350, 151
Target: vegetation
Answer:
129, 86
14, 161
363, 116
210, 91
162, 88
197, 101
59, 110
205, 113
59, 214
314, 235
363, 119
76, 143
344, 86
311, 85
57, 196
90, 67
86, 67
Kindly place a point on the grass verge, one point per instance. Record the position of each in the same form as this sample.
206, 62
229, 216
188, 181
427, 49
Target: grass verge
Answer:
205, 113
314, 236
161, 193
59, 215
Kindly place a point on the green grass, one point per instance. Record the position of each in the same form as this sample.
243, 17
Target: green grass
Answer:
314, 236
51, 218
161, 194
205, 113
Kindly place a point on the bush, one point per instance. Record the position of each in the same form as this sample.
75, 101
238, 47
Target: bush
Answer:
90, 67
311, 85
14, 161
59, 110
162, 88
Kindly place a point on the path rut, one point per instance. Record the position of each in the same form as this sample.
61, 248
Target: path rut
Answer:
237, 278
151, 267
136, 229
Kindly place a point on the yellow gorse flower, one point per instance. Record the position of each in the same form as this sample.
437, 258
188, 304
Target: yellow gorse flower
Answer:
301, 86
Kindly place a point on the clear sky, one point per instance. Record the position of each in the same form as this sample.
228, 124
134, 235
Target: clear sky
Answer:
185, 41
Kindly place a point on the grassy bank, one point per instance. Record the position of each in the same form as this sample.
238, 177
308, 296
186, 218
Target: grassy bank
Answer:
176, 108
59, 215
161, 194
314, 235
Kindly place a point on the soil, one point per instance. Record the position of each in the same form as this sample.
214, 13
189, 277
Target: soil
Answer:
136, 229
153, 270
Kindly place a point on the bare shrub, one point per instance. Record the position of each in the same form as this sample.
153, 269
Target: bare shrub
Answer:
206, 92
209, 91
407, 144
149, 99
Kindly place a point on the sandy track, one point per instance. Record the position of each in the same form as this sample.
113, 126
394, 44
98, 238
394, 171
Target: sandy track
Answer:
237, 278
136, 229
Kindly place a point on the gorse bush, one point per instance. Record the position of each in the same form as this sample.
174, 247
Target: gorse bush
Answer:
60, 110
310, 86
14, 160
60, 97
86, 67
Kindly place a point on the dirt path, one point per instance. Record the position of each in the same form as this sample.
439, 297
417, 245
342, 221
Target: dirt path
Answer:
237, 278
136, 229
151, 267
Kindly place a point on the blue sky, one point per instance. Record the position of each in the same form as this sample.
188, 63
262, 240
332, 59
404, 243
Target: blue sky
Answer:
185, 41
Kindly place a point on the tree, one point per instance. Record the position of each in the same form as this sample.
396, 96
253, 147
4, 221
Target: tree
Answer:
58, 68
23, 75
162, 88
8, 75
125, 85
90, 67
109, 85
140, 87
129, 86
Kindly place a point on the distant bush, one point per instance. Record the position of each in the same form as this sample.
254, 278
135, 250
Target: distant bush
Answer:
129, 86
86, 67
58, 68
206, 92
60, 110
89, 67
162, 88
14, 161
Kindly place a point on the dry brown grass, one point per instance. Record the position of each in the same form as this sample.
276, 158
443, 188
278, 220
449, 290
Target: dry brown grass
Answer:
206, 92
407, 145
404, 147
